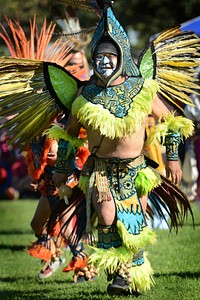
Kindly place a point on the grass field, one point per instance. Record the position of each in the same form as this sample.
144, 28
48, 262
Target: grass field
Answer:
175, 260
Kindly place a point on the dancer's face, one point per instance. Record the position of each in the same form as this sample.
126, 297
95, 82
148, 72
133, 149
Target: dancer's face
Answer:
106, 63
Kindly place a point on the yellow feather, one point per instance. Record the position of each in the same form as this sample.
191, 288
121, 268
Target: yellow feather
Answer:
173, 97
168, 33
179, 44
179, 77
174, 92
178, 63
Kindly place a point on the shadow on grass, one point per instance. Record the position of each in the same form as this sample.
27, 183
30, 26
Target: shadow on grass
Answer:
35, 295
13, 248
183, 275
191, 225
32, 295
83, 294
12, 279
13, 231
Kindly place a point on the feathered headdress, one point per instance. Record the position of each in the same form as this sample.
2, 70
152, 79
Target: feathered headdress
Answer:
110, 27
39, 45
67, 20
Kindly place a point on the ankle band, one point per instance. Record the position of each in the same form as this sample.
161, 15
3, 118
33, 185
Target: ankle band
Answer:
77, 249
108, 236
138, 259
43, 238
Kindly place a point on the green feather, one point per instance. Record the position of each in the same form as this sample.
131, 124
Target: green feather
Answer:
64, 85
147, 65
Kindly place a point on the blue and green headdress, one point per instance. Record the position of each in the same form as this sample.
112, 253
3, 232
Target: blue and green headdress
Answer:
110, 28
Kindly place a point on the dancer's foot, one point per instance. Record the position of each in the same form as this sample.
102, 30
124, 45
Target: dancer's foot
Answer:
51, 268
118, 287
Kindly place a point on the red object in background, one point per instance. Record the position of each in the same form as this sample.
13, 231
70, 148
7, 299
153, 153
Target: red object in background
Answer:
12, 194
3, 175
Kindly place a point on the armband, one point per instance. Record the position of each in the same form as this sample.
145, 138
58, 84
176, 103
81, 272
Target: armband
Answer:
169, 131
64, 157
172, 141
67, 147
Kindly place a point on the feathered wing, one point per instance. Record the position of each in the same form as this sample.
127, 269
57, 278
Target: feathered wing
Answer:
34, 92
171, 59
33, 88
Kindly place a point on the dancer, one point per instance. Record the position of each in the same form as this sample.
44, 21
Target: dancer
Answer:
41, 153
120, 177
113, 108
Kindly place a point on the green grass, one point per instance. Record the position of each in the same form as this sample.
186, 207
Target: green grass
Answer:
175, 260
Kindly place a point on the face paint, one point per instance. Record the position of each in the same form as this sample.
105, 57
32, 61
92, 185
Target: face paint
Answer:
106, 63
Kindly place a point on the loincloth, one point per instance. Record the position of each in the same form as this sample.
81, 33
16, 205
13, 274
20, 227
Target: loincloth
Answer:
115, 179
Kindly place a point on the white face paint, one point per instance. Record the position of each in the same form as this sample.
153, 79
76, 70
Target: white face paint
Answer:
106, 63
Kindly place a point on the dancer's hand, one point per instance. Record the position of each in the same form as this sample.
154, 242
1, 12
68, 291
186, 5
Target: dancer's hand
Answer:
173, 171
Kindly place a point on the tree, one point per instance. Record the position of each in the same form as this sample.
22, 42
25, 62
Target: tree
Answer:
153, 16
146, 17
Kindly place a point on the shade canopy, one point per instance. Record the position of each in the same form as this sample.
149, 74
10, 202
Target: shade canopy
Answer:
193, 24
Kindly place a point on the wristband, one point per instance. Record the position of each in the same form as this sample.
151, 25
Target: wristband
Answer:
172, 141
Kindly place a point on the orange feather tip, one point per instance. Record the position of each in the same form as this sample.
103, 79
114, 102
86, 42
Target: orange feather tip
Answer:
76, 264
38, 251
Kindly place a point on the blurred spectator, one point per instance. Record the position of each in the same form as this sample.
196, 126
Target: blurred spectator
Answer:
191, 164
14, 178
78, 65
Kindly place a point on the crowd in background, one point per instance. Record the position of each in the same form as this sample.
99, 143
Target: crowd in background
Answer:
15, 181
